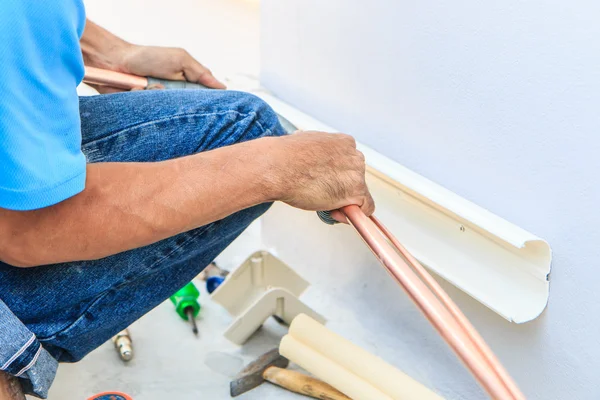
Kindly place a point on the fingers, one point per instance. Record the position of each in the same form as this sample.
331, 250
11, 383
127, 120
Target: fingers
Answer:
362, 197
155, 86
339, 216
196, 72
368, 206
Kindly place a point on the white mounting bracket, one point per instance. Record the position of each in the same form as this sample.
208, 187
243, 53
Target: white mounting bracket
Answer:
262, 286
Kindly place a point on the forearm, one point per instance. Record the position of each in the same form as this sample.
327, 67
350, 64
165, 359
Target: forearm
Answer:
101, 48
129, 205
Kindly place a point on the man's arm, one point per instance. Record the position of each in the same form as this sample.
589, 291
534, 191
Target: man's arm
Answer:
102, 49
129, 205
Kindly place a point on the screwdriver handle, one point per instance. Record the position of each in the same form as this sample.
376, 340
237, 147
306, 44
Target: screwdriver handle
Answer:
186, 297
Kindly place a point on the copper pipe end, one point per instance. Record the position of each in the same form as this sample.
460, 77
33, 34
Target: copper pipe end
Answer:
97, 76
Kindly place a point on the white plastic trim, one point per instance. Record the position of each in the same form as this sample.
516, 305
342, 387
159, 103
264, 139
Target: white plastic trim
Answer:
496, 262
261, 286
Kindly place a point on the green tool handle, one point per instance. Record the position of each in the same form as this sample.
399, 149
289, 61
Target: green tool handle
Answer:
184, 298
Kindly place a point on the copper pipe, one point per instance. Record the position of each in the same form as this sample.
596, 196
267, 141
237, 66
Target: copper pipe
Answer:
97, 76
430, 305
435, 287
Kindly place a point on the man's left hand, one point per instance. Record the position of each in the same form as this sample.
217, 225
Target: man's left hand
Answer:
167, 63
102, 49
159, 62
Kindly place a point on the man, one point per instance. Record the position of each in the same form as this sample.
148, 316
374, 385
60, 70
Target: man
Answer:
110, 203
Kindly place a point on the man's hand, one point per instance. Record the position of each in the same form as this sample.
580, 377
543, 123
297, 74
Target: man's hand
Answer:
167, 63
102, 49
322, 171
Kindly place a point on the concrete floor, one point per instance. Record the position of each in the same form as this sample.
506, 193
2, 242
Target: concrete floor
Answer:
170, 362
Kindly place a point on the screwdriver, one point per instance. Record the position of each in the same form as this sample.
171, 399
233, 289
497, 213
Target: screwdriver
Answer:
186, 304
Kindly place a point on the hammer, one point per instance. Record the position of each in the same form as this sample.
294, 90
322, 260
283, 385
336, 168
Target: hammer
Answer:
271, 367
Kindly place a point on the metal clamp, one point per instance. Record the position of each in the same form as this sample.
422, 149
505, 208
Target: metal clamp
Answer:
326, 217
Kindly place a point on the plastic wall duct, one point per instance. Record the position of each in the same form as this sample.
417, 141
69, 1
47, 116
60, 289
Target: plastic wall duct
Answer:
501, 265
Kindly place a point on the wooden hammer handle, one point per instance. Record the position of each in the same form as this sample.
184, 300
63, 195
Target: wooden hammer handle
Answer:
302, 384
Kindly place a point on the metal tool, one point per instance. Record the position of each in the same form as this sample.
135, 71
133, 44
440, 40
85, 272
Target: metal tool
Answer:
271, 367
187, 305
124, 345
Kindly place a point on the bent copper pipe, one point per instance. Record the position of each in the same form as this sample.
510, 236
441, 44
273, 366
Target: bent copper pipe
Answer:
97, 76
435, 287
436, 305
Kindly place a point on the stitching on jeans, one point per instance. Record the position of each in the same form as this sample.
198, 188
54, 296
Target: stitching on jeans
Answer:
195, 233
68, 326
26, 368
18, 353
105, 293
264, 132
166, 119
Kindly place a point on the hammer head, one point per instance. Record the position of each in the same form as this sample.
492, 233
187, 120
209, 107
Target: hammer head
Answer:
252, 376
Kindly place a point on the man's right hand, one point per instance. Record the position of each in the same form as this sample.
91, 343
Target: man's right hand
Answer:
322, 171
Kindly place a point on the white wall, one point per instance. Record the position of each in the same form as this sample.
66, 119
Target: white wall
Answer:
221, 34
496, 101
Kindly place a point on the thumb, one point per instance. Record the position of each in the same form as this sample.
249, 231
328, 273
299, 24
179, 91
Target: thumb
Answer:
339, 216
198, 73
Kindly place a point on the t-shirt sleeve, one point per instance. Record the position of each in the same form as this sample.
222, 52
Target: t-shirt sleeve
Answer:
41, 162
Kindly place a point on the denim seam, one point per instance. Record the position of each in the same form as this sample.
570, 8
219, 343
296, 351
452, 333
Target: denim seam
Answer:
18, 353
195, 233
151, 269
264, 132
166, 119
70, 326
31, 363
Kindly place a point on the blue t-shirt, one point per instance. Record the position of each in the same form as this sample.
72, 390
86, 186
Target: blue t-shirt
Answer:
41, 162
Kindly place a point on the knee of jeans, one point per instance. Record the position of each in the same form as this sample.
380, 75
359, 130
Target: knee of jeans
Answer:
266, 117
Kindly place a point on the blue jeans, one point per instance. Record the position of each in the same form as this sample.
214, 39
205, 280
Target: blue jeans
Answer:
72, 308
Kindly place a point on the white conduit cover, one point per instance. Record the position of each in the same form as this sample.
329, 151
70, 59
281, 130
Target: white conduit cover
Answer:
496, 262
